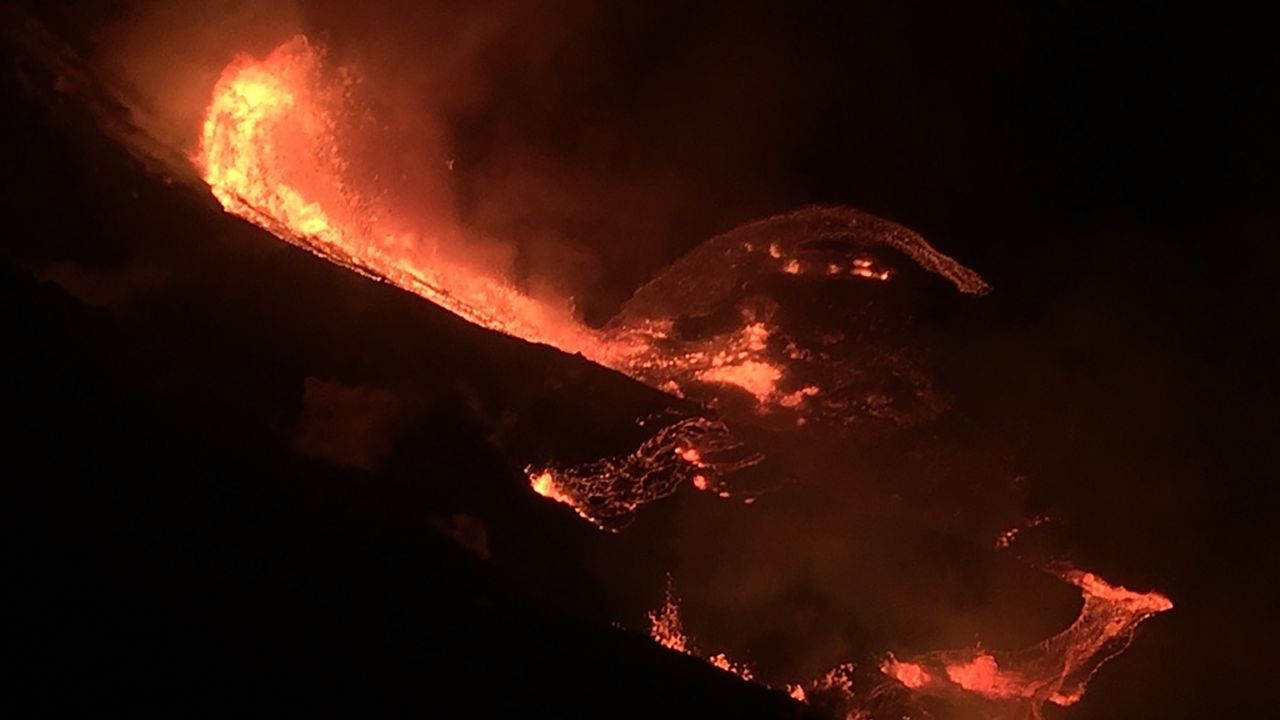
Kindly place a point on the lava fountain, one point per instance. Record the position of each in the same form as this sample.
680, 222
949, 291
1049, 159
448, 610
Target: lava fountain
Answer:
272, 151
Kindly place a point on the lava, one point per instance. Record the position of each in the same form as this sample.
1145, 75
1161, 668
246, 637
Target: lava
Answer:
1016, 684
608, 492
1054, 671
274, 151
667, 629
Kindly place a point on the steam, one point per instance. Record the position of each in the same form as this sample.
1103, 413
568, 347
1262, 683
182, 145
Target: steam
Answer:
415, 71
548, 137
161, 58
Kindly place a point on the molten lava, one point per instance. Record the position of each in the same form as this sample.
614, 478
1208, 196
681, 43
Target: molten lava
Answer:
608, 492
667, 629
274, 150
1054, 671
1015, 684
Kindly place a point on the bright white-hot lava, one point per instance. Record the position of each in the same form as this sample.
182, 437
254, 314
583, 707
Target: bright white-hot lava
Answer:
272, 151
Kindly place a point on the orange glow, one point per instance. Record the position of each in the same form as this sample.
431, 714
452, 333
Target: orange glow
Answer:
545, 484
1006, 538
982, 676
665, 626
722, 661
756, 377
274, 149
870, 274
909, 674
691, 456
608, 492
1054, 671
667, 629
794, 399
272, 153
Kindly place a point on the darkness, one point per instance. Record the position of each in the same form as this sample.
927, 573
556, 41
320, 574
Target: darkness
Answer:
245, 480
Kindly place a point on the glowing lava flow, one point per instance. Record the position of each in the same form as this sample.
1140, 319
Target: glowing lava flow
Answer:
1054, 671
608, 492
1014, 684
272, 151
